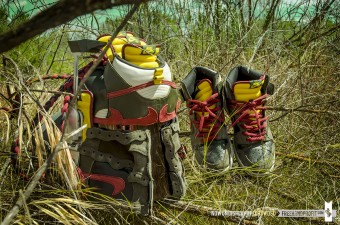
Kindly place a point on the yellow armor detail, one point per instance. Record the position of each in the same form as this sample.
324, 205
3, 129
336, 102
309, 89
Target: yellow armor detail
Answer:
140, 58
134, 54
133, 49
158, 76
84, 105
142, 50
117, 43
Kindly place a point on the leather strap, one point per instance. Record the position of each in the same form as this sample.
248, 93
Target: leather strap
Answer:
123, 137
170, 138
125, 91
99, 156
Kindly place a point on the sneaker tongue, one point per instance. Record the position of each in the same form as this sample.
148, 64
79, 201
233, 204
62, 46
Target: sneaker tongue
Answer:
204, 90
144, 56
245, 91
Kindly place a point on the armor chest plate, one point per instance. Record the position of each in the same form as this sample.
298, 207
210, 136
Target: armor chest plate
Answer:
133, 98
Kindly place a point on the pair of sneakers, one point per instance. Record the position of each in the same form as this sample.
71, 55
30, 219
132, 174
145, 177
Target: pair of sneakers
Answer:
242, 95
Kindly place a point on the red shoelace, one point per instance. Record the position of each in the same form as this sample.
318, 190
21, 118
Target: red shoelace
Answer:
207, 125
254, 123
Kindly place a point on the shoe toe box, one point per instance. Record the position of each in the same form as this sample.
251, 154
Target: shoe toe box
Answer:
259, 156
216, 155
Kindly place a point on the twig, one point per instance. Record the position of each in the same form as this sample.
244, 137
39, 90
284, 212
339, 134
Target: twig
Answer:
45, 77
6, 109
4, 168
184, 133
303, 158
258, 45
6, 99
277, 118
55, 52
26, 208
158, 220
22, 84
182, 110
35, 180
8, 89
52, 92
298, 109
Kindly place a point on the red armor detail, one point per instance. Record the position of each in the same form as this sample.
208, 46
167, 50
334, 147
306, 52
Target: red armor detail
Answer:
165, 116
117, 118
117, 183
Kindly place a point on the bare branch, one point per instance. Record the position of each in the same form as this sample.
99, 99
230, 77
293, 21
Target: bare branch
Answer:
298, 109
60, 13
303, 158
52, 92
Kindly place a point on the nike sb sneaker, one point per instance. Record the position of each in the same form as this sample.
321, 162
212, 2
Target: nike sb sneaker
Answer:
245, 92
209, 137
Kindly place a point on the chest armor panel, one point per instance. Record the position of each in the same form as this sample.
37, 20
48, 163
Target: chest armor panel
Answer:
133, 98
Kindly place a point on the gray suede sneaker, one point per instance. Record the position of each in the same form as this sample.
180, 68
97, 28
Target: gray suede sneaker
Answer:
209, 137
245, 91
